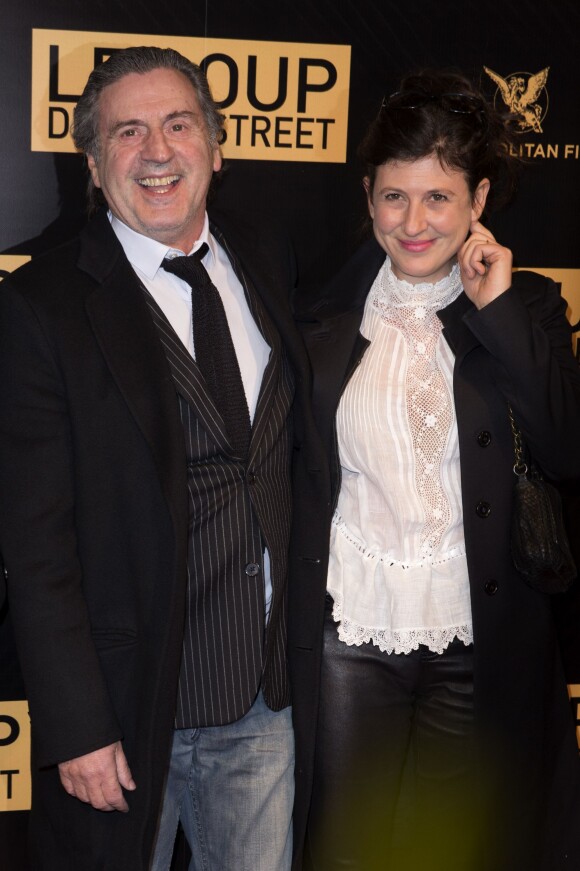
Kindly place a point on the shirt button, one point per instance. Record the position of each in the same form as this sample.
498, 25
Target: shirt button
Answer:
483, 509
491, 588
252, 569
484, 438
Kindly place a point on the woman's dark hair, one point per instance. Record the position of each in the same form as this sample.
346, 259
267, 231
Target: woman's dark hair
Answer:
442, 113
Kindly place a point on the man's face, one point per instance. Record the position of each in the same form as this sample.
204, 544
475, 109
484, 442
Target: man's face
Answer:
155, 162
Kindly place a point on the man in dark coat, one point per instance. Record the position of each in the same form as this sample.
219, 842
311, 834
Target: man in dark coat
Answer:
143, 527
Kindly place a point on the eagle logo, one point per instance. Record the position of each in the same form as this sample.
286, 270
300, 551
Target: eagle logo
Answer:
525, 96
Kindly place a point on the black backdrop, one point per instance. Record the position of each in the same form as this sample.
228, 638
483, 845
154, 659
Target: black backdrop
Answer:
320, 202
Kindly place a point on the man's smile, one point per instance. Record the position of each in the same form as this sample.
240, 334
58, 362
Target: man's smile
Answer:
158, 181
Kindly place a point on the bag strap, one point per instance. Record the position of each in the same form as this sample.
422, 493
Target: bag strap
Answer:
520, 466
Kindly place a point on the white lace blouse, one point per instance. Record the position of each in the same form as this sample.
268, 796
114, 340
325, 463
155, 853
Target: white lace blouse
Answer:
397, 570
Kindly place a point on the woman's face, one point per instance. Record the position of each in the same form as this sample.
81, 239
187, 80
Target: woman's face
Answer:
421, 214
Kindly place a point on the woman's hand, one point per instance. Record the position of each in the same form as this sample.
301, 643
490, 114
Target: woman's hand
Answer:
486, 267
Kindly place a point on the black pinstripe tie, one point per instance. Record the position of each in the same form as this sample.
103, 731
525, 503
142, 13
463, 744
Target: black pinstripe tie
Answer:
214, 350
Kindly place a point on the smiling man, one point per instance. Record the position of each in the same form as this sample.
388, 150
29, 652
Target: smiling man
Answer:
144, 504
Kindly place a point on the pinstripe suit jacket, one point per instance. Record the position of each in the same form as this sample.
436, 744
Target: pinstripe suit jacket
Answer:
235, 508
94, 522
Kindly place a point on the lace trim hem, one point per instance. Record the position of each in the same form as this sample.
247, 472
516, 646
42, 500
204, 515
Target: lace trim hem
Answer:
397, 640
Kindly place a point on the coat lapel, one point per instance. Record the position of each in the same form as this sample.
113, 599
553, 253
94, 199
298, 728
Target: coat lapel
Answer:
133, 352
456, 332
271, 376
331, 330
188, 378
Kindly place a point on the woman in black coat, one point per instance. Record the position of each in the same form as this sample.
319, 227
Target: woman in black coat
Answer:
432, 725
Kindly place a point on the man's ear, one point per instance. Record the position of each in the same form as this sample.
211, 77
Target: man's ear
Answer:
93, 169
217, 158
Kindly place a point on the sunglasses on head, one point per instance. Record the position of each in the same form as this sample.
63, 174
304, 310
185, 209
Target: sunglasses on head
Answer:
462, 104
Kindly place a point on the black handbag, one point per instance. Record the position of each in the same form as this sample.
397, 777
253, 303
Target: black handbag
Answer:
539, 542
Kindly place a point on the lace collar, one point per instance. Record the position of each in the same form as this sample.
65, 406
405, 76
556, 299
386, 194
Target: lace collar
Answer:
388, 290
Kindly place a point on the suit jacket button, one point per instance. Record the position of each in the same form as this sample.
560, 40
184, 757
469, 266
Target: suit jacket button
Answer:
251, 477
483, 509
484, 438
252, 569
491, 588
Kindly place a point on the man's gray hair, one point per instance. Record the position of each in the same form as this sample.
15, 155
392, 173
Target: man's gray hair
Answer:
140, 60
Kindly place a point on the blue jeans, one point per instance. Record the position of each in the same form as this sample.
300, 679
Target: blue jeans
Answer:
232, 789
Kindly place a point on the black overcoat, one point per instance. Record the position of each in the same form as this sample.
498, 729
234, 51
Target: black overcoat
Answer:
94, 524
517, 350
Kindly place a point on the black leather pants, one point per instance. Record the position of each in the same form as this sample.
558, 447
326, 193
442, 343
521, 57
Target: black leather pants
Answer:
393, 783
